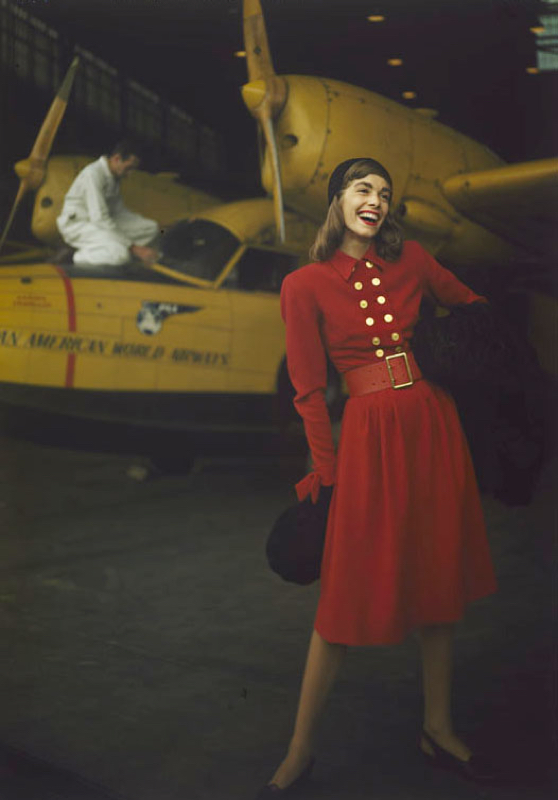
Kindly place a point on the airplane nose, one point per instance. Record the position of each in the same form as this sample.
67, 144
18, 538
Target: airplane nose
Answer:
253, 93
30, 171
22, 168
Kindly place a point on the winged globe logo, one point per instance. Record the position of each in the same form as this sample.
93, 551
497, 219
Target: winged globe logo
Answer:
151, 315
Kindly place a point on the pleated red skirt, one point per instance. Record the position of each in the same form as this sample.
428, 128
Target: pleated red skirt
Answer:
406, 541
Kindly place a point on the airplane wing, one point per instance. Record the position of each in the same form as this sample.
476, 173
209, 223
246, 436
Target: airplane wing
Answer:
518, 202
21, 253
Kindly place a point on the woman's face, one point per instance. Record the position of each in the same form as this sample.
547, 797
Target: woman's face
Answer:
365, 204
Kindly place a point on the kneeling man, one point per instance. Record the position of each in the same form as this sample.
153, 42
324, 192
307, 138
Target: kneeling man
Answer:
94, 219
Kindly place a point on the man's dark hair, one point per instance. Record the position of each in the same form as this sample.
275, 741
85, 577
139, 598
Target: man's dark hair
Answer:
126, 148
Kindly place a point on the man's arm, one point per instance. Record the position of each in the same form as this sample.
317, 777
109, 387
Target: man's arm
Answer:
99, 215
97, 208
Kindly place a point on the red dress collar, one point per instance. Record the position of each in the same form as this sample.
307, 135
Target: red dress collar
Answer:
345, 264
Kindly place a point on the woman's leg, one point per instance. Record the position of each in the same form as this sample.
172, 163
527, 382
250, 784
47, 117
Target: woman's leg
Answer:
322, 665
437, 650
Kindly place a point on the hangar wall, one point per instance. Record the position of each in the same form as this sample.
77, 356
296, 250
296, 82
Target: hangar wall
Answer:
105, 103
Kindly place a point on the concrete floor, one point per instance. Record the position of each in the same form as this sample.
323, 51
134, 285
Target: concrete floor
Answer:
149, 654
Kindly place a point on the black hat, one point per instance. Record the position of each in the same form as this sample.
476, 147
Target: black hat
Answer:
336, 178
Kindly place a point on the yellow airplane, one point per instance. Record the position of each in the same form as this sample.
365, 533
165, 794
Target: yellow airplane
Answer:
196, 341
459, 199
192, 342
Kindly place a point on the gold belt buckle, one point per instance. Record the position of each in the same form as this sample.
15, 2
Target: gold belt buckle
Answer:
394, 385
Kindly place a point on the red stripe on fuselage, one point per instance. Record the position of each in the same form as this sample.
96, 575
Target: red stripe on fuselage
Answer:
71, 362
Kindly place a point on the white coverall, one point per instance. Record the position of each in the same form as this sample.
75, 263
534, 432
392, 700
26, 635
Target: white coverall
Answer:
96, 222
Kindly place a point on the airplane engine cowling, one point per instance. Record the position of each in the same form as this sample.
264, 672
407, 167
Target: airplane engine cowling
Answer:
324, 122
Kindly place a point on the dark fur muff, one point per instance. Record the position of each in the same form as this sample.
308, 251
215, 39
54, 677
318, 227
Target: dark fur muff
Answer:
471, 343
499, 388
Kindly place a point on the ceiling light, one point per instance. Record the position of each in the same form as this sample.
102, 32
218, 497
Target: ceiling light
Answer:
532, 70
395, 62
409, 95
376, 18
240, 54
538, 29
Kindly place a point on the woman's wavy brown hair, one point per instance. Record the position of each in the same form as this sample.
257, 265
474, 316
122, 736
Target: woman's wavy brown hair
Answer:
388, 240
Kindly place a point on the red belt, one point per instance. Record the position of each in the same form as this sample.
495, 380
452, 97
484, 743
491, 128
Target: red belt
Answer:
394, 372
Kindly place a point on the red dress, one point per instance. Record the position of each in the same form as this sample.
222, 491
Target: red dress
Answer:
406, 542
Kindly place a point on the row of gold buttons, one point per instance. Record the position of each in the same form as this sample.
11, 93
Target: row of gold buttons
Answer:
370, 320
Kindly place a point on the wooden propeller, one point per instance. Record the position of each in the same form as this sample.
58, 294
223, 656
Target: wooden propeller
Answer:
31, 171
265, 95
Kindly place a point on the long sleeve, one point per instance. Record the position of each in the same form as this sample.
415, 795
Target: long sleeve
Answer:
97, 207
124, 218
442, 284
307, 365
91, 198
120, 211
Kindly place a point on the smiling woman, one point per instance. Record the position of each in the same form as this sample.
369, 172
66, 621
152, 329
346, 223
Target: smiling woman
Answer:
405, 546
366, 205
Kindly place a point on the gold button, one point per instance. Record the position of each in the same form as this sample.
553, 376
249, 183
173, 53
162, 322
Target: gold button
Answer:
388, 317
369, 321
380, 352
364, 303
399, 349
358, 286
381, 300
376, 281
376, 340
395, 337
369, 264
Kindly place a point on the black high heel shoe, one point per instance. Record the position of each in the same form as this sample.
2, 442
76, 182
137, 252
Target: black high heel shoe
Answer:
477, 768
271, 790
